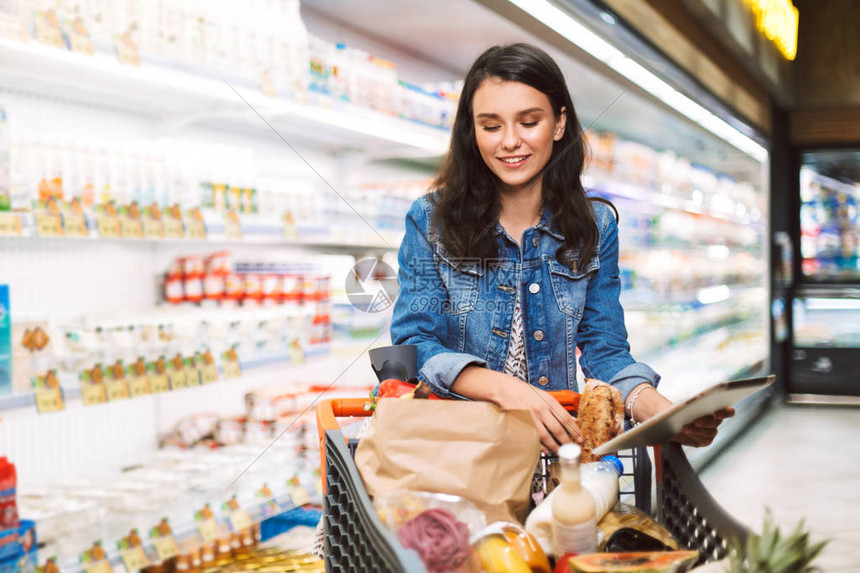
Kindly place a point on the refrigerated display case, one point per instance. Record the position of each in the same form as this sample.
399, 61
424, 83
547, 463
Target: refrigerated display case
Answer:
825, 310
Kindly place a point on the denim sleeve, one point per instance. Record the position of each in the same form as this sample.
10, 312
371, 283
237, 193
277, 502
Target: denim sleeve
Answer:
418, 316
602, 336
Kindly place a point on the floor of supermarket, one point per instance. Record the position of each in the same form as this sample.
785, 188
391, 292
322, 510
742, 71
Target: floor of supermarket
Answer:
801, 462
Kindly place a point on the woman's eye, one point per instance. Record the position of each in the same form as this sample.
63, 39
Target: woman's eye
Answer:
491, 128
530, 124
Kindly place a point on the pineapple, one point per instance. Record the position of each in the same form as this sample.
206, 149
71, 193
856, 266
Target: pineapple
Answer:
771, 553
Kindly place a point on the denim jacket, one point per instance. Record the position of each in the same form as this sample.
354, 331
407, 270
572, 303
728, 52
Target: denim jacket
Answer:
458, 312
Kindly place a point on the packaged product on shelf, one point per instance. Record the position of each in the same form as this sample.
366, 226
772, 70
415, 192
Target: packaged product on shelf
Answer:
8, 504
6, 358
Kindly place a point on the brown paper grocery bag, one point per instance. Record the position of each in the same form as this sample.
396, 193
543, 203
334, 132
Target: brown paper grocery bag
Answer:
472, 449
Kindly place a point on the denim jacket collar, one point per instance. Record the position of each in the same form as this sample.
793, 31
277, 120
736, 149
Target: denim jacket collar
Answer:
545, 225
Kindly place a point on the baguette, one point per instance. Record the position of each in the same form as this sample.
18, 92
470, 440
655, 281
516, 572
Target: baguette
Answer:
601, 417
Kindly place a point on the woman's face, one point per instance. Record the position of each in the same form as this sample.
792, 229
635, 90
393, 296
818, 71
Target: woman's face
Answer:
515, 130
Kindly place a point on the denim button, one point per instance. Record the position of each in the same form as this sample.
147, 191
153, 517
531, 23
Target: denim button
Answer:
538, 335
543, 380
534, 241
534, 288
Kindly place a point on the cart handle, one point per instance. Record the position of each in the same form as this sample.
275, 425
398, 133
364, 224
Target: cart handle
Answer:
328, 411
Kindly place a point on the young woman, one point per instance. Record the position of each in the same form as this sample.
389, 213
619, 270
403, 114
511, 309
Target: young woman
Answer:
507, 267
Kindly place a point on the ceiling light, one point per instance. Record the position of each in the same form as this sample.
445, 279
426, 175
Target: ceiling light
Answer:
585, 39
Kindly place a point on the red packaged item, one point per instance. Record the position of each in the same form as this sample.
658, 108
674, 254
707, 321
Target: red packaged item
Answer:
234, 287
291, 288
253, 287
271, 288
193, 287
174, 290
192, 266
213, 287
8, 505
176, 268
219, 263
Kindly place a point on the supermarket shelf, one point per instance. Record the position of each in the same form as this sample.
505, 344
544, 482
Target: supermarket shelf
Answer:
176, 97
183, 530
73, 393
655, 199
642, 299
258, 232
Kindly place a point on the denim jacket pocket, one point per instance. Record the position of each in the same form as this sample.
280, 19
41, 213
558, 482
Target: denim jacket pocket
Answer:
461, 278
570, 285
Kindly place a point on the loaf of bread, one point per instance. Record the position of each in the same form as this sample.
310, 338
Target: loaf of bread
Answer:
601, 416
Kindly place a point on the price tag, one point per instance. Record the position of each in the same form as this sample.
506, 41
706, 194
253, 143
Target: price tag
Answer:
192, 376
177, 379
49, 225
231, 369
291, 230
107, 226
232, 227
98, 567
49, 401
93, 394
152, 229
239, 520
208, 374
138, 386
159, 383
126, 51
81, 44
74, 226
165, 547
196, 229
116, 390
173, 228
134, 559
209, 530
299, 496
130, 228
10, 225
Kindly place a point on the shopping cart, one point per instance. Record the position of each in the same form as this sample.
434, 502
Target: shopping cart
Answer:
356, 539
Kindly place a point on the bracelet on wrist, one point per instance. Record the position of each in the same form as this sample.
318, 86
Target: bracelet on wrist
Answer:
633, 399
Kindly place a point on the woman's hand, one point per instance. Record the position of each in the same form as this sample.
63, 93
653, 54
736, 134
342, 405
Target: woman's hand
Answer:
555, 425
701, 432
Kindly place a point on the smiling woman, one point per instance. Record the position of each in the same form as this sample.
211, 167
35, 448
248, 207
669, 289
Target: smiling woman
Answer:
507, 269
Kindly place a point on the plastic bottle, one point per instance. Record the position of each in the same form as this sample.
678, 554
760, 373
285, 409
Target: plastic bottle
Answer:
599, 478
574, 525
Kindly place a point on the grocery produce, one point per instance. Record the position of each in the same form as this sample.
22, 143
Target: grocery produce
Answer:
772, 553
639, 562
494, 554
439, 538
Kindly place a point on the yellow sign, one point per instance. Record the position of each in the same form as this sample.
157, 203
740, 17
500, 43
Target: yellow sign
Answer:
209, 530
134, 559
208, 374
130, 228
48, 401
231, 369
777, 20
10, 225
152, 229
165, 547
93, 394
196, 229
299, 496
108, 226
177, 379
240, 520
159, 383
49, 225
116, 390
74, 226
173, 228
138, 386
98, 567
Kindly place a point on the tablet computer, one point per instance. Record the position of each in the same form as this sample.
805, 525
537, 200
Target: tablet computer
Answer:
668, 423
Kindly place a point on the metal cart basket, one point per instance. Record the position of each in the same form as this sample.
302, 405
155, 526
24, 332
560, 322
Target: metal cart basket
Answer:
356, 539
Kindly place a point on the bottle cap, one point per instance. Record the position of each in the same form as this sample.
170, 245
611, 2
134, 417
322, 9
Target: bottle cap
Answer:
570, 452
614, 463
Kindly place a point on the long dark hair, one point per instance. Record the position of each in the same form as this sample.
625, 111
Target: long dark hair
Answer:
467, 202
